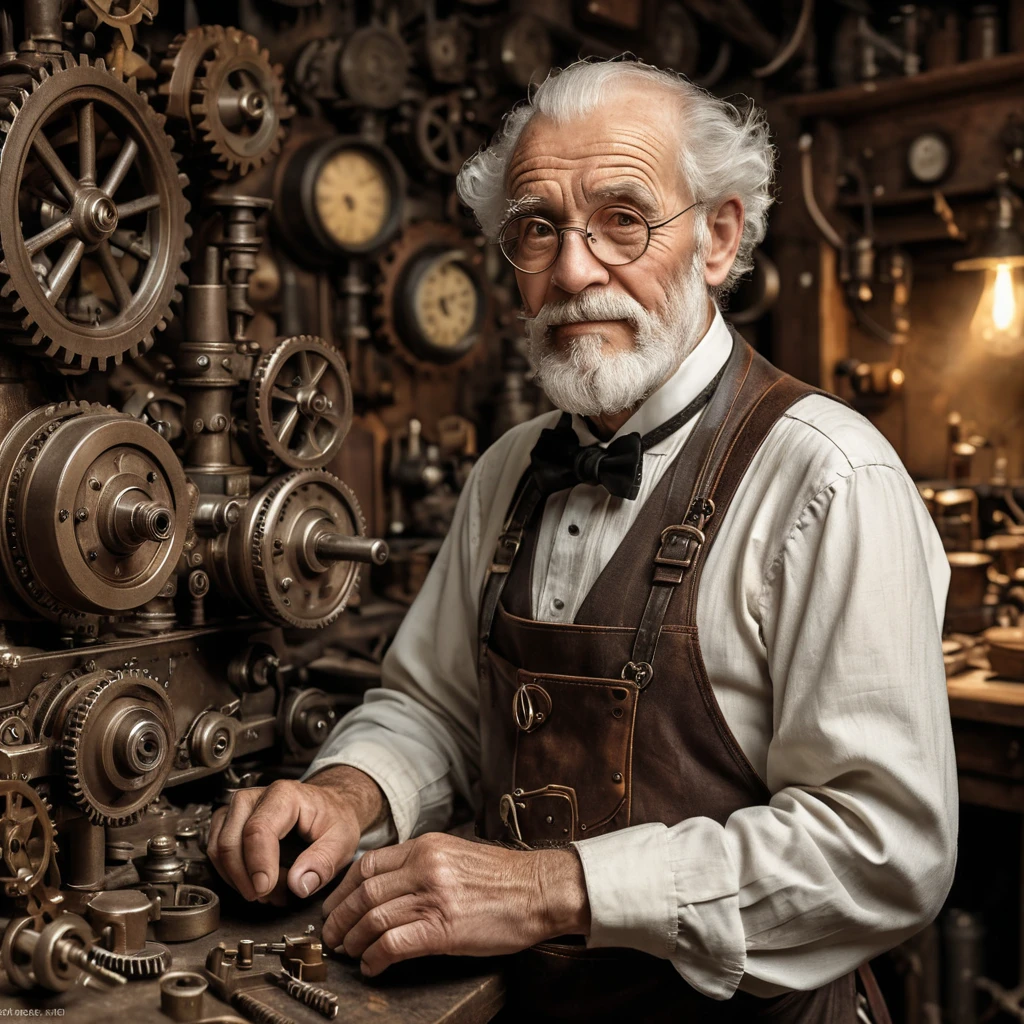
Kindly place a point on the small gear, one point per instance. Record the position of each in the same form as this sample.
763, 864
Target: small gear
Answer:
92, 259
150, 962
118, 745
390, 294
300, 402
231, 98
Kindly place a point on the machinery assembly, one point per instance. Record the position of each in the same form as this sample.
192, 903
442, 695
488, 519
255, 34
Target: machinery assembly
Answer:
193, 321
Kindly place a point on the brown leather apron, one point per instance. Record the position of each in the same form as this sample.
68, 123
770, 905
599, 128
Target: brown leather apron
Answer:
610, 720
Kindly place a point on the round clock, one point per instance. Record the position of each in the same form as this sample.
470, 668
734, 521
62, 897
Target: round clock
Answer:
340, 197
929, 158
433, 296
443, 304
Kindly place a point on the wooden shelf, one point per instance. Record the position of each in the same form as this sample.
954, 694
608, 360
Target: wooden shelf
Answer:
854, 100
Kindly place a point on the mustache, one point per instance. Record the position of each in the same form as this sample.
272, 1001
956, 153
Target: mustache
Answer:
586, 307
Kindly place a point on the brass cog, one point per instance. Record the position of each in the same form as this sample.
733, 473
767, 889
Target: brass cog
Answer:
27, 847
393, 265
300, 402
92, 214
118, 746
223, 86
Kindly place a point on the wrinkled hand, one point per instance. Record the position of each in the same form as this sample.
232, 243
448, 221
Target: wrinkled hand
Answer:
330, 810
440, 894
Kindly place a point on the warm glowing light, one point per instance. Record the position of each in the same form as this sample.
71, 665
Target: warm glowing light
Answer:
998, 323
1004, 306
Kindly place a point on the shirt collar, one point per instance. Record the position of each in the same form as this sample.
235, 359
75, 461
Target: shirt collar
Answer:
695, 372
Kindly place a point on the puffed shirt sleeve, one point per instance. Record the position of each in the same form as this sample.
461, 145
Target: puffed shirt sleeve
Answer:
418, 734
856, 848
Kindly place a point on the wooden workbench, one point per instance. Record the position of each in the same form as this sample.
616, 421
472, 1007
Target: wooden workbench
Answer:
437, 990
988, 728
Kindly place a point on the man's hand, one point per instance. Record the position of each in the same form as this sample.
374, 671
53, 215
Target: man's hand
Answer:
331, 810
440, 894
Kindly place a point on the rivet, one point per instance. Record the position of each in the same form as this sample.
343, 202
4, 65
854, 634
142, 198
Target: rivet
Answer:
583, 828
616, 712
549, 819
617, 777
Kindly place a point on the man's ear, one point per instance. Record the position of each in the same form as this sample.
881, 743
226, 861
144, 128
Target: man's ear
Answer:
725, 226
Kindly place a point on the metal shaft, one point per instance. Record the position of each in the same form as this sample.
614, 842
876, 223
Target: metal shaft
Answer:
337, 547
324, 1002
138, 521
80, 958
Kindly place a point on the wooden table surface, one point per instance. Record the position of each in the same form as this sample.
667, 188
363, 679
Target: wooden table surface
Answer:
980, 695
436, 990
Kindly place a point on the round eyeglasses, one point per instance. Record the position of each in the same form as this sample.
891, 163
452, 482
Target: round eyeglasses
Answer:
615, 234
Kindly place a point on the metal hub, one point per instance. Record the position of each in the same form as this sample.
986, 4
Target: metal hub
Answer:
93, 216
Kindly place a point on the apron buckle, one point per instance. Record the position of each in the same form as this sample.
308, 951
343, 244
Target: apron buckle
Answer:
641, 672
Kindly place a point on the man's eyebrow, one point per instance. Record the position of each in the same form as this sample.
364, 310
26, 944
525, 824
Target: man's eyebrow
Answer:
631, 191
514, 207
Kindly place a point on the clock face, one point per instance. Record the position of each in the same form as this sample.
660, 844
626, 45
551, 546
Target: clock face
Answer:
352, 197
445, 303
929, 157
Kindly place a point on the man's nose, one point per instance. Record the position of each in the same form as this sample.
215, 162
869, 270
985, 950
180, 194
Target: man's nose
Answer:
577, 267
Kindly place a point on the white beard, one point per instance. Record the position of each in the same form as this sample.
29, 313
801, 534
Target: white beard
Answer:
589, 381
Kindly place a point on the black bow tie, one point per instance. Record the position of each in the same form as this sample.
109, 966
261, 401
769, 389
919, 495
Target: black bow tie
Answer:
560, 461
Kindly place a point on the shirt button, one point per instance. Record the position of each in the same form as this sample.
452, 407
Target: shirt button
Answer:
574, 530
557, 603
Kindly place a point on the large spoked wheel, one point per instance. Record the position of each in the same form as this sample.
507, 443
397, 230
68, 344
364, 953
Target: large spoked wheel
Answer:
92, 215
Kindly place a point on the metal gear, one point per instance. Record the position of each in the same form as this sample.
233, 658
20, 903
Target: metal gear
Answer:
231, 98
393, 265
27, 846
138, 11
150, 962
118, 507
275, 559
92, 257
300, 402
118, 746
444, 135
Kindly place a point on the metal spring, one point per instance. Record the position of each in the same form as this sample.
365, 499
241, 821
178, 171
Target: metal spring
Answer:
257, 1012
324, 1002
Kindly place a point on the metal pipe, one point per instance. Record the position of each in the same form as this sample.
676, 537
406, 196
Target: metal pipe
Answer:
807, 183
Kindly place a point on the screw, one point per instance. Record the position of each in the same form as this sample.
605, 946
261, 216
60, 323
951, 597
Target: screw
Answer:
93, 555
151, 477
94, 483
286, 583
202, 362
63, 515
81, 515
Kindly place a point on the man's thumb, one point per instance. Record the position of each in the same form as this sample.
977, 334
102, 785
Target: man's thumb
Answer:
322, 860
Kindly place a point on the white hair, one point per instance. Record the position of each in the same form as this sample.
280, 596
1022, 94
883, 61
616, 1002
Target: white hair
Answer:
723, 152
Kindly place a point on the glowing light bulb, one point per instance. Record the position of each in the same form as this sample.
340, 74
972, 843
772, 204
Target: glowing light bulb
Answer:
1004, 306
998, 322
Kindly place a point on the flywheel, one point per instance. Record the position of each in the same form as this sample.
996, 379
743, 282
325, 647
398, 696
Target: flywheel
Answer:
92, 214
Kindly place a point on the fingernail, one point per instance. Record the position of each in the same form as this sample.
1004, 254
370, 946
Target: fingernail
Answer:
309, 882
261, 882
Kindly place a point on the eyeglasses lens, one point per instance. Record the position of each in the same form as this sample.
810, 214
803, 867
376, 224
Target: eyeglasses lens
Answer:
616, 236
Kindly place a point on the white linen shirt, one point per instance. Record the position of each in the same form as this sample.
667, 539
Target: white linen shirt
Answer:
819, 613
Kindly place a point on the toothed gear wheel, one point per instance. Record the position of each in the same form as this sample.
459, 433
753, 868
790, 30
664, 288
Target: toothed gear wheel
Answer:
420, 242
229, 95
27, 839
150, 962
118, 746
300, 402
92, 214
102, 465
272, 560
